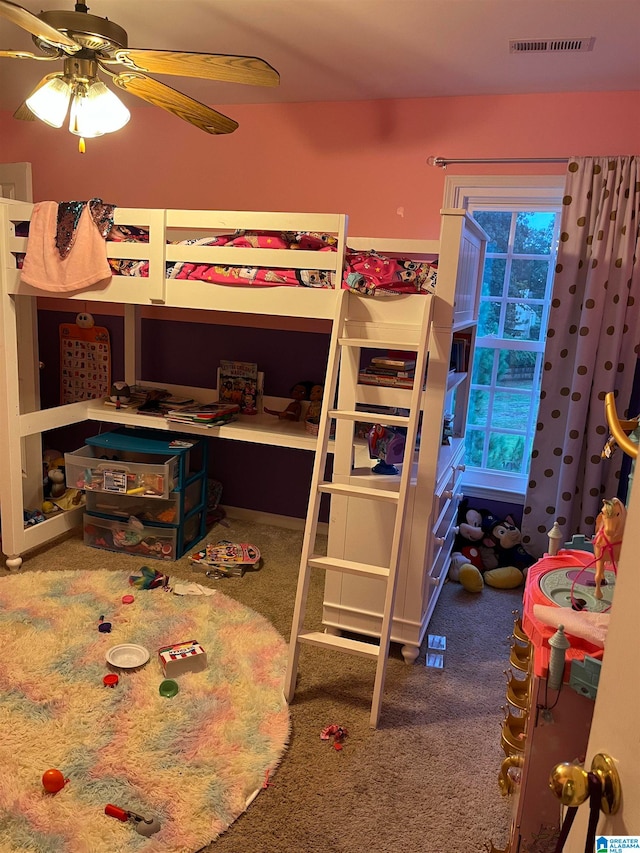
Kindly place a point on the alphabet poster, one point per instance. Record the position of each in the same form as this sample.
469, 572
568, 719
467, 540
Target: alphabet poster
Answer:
85, 363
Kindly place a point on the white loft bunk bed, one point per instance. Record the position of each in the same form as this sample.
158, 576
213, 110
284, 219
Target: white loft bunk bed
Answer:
22, 421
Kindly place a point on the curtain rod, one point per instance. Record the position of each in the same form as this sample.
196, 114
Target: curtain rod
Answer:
443, 162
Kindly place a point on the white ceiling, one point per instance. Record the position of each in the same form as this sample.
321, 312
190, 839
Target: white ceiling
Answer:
342, 50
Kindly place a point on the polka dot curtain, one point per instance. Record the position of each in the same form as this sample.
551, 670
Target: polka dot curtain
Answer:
593, 344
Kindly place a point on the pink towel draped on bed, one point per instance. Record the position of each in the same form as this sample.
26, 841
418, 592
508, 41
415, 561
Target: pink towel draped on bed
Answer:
85, 264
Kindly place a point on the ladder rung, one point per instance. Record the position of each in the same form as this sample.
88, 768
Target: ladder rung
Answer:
349, 567
376, 343
390, 420
340, 644
358, 492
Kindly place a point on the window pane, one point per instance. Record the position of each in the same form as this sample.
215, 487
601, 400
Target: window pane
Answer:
510, 410
522, 321
478, 407
516, 368
506, 452
528, 278
483, 366
497, 225
489, 319
534, 233
473, 446
493, 278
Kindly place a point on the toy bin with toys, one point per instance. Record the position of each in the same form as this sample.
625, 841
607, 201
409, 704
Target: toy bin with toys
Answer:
146, 492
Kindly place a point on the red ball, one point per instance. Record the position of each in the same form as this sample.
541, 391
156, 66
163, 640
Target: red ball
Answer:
53, 781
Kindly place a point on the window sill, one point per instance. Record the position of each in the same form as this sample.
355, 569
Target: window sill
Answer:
475, 487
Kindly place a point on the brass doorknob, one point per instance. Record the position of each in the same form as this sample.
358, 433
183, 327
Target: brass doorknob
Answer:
570, 784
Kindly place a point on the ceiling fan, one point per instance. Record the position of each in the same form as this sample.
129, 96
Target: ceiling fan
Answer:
87, 43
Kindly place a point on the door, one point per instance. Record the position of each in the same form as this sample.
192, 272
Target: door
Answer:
614, 729
15, 181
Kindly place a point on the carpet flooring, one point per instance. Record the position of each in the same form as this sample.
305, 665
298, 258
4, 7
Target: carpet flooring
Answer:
426, 780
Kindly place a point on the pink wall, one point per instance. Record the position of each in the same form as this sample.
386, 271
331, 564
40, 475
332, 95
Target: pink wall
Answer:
365, 158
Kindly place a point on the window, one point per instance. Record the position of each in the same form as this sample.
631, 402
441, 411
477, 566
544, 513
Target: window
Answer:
522, 220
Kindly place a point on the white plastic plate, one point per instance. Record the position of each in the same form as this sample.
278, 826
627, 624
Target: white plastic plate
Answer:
127, 656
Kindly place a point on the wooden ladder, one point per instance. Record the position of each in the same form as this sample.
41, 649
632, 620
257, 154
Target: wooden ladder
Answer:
360, 322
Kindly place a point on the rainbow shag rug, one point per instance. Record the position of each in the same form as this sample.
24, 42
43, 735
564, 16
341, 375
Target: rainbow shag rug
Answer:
194, 761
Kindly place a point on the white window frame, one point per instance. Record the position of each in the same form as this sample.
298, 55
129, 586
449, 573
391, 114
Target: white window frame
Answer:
516, 192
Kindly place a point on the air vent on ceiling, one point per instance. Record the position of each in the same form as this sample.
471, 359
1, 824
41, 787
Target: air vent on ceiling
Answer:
551, 45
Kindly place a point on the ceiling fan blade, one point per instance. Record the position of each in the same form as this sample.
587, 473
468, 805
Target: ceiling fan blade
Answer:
23, 112
17, 15
24, 54
175, 102
209, 66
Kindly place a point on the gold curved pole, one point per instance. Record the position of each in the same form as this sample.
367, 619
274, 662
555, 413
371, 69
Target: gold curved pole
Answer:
617, 428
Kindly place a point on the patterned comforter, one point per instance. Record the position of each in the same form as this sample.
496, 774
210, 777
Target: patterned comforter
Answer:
365, 272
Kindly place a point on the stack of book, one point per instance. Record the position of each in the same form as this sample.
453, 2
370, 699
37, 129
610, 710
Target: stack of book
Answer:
204, 414
387, 370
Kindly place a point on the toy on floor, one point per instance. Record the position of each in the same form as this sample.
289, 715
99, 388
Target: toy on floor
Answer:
338, 733
607, 539
487, 551
168, 688
182, 657
149, 579
228, 559
143, 825
53, 781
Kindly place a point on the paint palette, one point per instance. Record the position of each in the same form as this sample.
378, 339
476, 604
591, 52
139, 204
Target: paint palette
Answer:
575, 588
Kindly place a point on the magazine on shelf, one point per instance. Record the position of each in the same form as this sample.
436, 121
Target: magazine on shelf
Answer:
204, 414
240, 382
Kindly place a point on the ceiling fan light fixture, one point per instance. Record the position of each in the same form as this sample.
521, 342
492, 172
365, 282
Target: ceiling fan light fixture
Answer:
51, 102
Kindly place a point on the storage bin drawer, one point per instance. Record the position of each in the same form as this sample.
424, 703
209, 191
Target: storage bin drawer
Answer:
154, 478
171, 510
152, 542
192, 531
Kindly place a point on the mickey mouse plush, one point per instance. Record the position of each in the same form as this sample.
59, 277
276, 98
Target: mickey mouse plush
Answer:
507, 539
482, 549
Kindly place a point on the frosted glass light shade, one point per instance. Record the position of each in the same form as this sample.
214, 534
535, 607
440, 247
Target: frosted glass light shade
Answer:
51, 101
107, 110
83, 120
